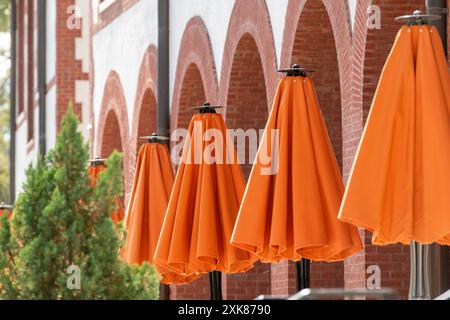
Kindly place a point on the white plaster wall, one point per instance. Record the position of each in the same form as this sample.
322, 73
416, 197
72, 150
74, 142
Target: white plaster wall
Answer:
120, 46
21, 156
50, 112
50, 118
51, 40
23, 159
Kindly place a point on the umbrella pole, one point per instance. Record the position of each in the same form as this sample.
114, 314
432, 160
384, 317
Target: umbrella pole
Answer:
164, 292
215, 285
303, 274
419, 287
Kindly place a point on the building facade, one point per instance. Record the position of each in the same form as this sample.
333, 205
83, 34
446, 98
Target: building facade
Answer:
102, 55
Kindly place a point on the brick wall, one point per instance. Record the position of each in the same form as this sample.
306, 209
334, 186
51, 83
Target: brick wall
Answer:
247, 101
68, 69
147, 118
198, 290
111, 136
284, 278
192, 95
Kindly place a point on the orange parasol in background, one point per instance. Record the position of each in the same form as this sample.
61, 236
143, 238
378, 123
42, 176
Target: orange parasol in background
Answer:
152, 186
203, 206
291, 203
5, 209
97, 166
399, 185
400, 182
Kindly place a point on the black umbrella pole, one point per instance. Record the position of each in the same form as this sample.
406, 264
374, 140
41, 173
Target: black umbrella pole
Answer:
215, 284
303, 274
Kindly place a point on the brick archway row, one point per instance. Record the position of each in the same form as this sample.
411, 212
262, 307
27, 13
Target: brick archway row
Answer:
248, 17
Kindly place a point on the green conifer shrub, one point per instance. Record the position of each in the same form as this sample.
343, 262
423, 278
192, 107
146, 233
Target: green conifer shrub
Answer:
61, 243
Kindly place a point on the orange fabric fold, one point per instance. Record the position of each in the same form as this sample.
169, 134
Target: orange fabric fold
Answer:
292, 200
94, 172
196, 233
152, 186
400, 181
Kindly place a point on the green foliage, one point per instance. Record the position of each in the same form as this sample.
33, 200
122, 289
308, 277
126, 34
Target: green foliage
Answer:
61, 221
4, 15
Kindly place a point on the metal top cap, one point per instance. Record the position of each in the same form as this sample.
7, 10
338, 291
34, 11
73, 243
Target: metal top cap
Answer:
207, 108
97, 161
4, 206
418, 18
155, 138
296, 71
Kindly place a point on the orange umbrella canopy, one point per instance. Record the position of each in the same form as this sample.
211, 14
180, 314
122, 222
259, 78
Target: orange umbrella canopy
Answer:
400, 182
94, 171
291, 203
196, 233
152, 186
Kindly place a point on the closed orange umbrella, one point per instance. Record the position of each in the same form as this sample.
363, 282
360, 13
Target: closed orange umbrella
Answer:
96, 167
291, 203
152, 186
400, 182
196, 233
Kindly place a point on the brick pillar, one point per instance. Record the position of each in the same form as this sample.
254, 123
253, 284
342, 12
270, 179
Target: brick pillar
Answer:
284, 279
68, 68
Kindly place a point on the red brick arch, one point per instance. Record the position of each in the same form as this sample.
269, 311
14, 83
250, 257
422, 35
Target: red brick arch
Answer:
247, 87
250, 17
195, 54
145, 101
339, 16
114, 105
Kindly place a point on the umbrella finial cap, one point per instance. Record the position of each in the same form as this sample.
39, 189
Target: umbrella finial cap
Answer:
207, 108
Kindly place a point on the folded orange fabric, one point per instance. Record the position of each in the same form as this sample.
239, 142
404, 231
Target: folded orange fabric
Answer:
152, 186
203, 206
399, 186
291, 203
94, 172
